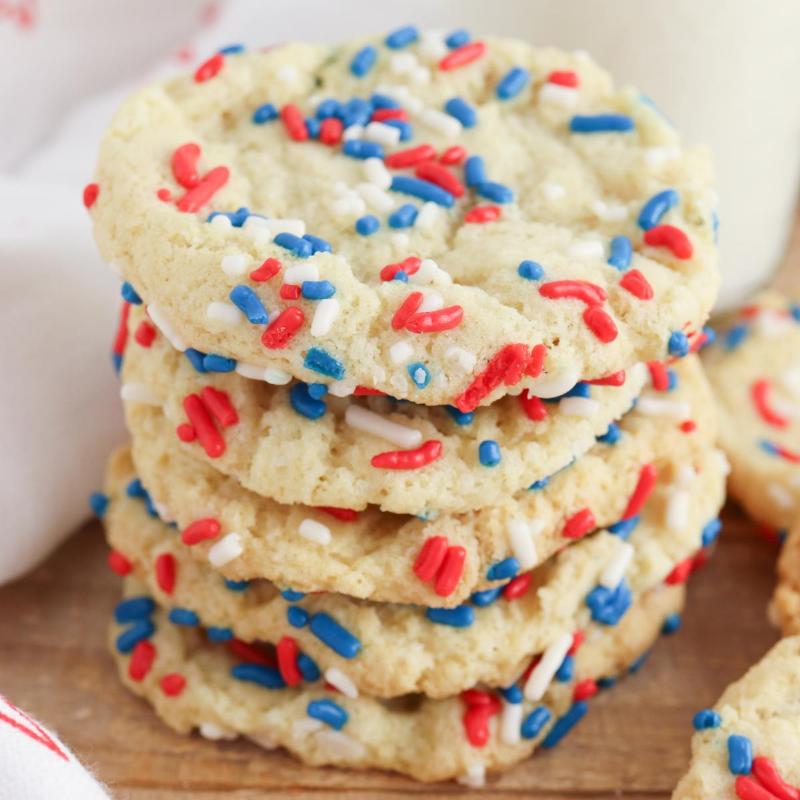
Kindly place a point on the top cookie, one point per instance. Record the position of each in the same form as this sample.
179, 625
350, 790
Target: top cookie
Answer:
444, 225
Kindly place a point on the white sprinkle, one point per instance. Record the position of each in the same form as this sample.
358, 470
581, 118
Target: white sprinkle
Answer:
342, 682
305, 725
520, 539
163, 324
578, 406
214, 732
678, 509
297, 227
553, 191
790, 380
225, 550
769, 323
376, 198
287, 73
662, 407
686, 476
363, 419
225, 313
554, 385
324, 316
253, 222
420, 75
353, 132
430, 272
400, 352
387, 135
298, 273
564, 96
400, 239
139, 393
781, 495
403, 63
440, 122
268, 374
315, 531
609, 212
547, 667
510, 722
432, 45
222, 222
235, 264
615, 569
465, 359
431, 301
655, 157
586, 247
342, 388
429, 214
376, 172
339, 745
475, 776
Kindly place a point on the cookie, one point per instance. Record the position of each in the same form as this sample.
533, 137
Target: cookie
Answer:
746, 747
194, 685
392, 649
296, 446
372, 554
754, 368
784, 608
442, 227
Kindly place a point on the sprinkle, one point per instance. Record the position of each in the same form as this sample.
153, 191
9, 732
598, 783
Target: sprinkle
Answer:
759, 392
621, 253
265, 113
283, 328
368, 421
460, 109
133, 609
213, 362
489, 453
287, 652
197, 197
608, 606
184, 165
494, 192
225, 550
98, 503
530, 270
317, 290
579, 524
644, 488
139, 393
332, 634
518, 586
338, 679
402, 37
615, 569
740, 755
656, 207
323, 362
678, 344
503, 570
601, 123
248, 302
663, 407
430, 558
458, 617
512, 83
403, 217
532, 406
166, 572
671, 624
420, 374
510, 722
439, 174
565, 724
766, 773
612, 434
670, 237
129, 294
183, 616
585, 291
424, 190
564, 78
318, 244
544, 672
367, 225
297, 617
636, 284
578, 407
210, 438
358, 148
383, 133
442, 319
535, 722
363, 61
710, 532
200, 530
324, 316
90, 194
294, 122
423, 455
463, 55
141, 661
410, 157
140, 630
209, 68
265, 676
173, 684
450, 571
304, 404
315, 531
296, 245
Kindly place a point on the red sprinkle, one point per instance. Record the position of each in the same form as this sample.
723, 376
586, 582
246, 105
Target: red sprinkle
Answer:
287, 652
210, 438
430, 557
118, 563
443, 319
483, 214
450, 572
367, 391
759, 391
747, 789
680, 572
659, 375
410, 157
142, 658
517, 586
577, 640
533, 407
408, 265
186, 432
423, 455
283, 328
294, 122
579, 524
184, 165
382, 114
208, 69
251, 653
453, 155
584, 689
437, 173
766, 773
480, 697
463, 55
330, 131
563, 77
343, 514
269, 269
200, 530
688, 426
290, 291
165, 195
145, 333
173, 684
614, 379
196, 198
166, 571
634, 282
90, 192
600, 324
671, 237
406, 310
644, 488
219, 405
586, 292
121, 336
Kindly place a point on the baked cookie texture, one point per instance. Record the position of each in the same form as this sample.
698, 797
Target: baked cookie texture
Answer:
784, 608
569, 235
190, 684
754, 369
746, 746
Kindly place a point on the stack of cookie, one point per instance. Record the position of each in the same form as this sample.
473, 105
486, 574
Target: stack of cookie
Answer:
421, 459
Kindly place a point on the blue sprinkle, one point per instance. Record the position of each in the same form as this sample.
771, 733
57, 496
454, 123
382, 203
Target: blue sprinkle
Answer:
130, 637
639, 663
567, 669
129, 294
621, 253
494, 192
318, 244
331, 633
329, 108
213, 362
458, 617
711, 531
367, 225
503, 570
740, 754
530, 270
485, 597
424, 190
296, 245
379, 100
183, 616
580, 389
297, 617
512, 694
403, 217
304, 404
406, 131
402, 37
625, 527
705, 719
323, 362
292, 596
606, 682
672, 380
457, 38
356, 111
538, 485
217, 635
313, 127
460, 417
317, 390
400, 276
265, 113
612, 435
512, 83
768, 447
656, 207
671, 624
420, 374
601, 123
135, 489
565, 724
236, 586
317, 290
116, 361
98, 503
474, 171
134, 608
735, 336
715, 225
489, 453
308, 668
608, 606
460, 109
231, 49
248, 302
268, 677
710, 336
363, 61
195, 358
357, 148
794, 310
678, 344
532, 724
328, 712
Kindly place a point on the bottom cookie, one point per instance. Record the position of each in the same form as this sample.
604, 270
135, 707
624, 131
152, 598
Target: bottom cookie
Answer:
748, 745
189, 681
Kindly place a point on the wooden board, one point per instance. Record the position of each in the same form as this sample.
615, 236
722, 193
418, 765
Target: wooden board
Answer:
633, 743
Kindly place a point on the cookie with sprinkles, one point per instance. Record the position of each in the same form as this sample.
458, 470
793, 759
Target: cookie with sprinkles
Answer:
754, 369
388, 650
745, 747
226, 689
440, 224
373, 554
